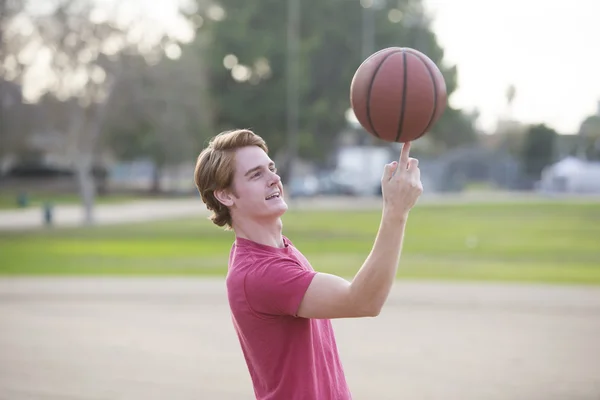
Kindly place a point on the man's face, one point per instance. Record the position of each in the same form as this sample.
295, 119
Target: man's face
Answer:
258, 192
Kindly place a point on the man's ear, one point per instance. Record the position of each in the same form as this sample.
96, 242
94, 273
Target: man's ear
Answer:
225, 197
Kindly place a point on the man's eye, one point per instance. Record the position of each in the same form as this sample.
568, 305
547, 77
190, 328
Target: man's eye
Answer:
256, 175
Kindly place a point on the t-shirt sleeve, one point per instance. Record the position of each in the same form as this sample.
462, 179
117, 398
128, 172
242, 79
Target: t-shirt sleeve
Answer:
277, 287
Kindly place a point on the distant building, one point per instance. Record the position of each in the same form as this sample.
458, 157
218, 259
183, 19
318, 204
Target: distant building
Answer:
571, 175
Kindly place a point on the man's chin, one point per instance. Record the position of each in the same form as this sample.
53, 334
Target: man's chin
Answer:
274, 210
283, 207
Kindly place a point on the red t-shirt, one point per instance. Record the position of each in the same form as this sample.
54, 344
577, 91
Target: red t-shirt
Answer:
288, 357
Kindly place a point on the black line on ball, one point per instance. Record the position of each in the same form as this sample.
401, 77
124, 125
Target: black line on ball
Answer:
371, 88
435, 95
402, 108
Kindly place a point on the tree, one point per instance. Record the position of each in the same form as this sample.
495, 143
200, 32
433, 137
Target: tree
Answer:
538, 150
13, 121
511, 93
160, 113
589, 138
455, 128
245, 48
84, 57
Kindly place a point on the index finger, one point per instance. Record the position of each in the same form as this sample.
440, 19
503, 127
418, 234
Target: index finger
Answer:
404, 154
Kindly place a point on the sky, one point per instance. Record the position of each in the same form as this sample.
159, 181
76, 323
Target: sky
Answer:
548, 49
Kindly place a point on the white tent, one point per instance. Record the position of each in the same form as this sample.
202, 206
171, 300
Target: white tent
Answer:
571, 175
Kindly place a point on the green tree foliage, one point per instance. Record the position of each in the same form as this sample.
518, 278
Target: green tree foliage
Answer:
159, 114
589, 137
251, 38
538, 150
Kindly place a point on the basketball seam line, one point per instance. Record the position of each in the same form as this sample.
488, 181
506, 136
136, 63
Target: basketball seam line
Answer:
435, 96
403, 104
371, 89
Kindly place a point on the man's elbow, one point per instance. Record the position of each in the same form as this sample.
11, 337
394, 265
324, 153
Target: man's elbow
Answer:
369, 310
375, 311
366, 307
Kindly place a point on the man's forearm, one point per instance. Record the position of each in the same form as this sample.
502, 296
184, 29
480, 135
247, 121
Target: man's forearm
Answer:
373, 282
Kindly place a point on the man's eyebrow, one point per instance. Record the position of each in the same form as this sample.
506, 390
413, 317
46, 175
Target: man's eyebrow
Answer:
252, 170
271, 164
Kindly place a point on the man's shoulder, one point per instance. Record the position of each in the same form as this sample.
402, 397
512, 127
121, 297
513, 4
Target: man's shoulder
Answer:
260, 264
255, 268
246, 261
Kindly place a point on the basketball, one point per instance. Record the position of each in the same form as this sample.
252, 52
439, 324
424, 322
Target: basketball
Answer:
398, 94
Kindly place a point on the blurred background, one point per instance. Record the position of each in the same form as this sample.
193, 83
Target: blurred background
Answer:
105, 105
103, 98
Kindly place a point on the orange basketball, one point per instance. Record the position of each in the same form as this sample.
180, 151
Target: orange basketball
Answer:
398, 94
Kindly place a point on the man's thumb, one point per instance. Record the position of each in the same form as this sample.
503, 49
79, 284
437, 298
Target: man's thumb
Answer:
413, 163
390, 169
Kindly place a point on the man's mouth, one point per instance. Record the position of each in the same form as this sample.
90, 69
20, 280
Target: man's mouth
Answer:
273, 196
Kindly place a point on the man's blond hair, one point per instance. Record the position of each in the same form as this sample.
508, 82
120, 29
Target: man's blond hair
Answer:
215, 168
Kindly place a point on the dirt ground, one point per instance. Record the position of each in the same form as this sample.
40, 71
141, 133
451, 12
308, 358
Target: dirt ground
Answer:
92, 339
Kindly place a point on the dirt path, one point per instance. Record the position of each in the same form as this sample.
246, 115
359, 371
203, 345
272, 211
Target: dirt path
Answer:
72, 215
92, 339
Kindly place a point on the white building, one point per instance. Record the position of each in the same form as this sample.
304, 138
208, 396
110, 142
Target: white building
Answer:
571, 175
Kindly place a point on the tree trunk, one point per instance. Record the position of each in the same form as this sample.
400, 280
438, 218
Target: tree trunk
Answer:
156, 175
82, 161
87, 188
84, 132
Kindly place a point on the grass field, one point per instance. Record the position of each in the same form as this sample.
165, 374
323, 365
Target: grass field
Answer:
545, 242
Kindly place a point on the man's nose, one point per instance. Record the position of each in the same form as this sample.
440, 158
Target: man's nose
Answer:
274, 178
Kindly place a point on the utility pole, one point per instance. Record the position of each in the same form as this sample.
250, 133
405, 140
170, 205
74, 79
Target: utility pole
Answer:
368, 47
368, 28
292, 80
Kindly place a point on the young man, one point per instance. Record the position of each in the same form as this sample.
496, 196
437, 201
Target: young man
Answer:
281, 307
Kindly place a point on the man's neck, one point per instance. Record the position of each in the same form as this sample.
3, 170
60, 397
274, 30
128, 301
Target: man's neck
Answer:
267, 233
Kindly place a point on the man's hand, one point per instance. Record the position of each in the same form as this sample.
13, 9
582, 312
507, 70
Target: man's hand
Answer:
329, 296
401, 185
